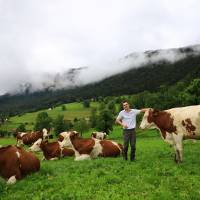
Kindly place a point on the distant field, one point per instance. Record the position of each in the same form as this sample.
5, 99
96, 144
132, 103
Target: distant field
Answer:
72, 110
154, 175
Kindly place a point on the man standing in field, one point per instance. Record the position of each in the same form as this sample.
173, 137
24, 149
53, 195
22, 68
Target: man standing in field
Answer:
127, 119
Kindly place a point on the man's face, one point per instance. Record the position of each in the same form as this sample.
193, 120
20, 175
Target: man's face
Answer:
125, 105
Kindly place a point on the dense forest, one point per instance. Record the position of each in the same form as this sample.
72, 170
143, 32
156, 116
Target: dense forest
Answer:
153, 77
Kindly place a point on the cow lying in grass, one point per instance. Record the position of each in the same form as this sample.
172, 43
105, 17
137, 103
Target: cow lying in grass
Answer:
51, 151
31, 137
90, 148
175, 125
15, 163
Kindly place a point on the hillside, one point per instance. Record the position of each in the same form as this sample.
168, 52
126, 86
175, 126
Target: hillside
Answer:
147, 77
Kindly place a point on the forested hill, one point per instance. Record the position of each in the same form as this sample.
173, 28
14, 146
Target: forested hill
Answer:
149, 77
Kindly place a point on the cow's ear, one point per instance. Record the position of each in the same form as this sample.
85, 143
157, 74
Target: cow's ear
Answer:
155, 112
72, 134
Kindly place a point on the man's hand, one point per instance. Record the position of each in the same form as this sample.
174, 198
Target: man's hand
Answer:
124, 126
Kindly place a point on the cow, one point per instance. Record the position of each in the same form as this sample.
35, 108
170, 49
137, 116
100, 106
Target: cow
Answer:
90, 148
51, 151
99, 135
175, 125
16, 163
110, 148
64, 134
31, 137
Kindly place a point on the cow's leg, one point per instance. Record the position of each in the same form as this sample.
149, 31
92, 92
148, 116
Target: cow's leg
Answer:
14, 178
83, 157
55, 158
11, 180
178, 146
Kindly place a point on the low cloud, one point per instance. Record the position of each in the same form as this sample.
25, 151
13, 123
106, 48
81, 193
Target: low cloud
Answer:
43, 42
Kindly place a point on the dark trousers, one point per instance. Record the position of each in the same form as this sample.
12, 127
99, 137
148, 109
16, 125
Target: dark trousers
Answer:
129, 136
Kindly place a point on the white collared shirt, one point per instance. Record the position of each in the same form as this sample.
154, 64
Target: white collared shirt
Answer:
129, 118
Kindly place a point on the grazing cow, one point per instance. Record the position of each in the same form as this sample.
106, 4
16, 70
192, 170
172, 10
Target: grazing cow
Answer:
99, 135
64, 134
51, 151
175, 125
90, 148
30, 138
15, 163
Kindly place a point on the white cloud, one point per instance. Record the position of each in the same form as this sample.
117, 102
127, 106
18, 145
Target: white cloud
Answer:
50, 36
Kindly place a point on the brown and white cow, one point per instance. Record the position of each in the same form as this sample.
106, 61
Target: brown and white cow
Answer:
99, 135
15, 163
90, 148
175, 125
30, 138
51, 151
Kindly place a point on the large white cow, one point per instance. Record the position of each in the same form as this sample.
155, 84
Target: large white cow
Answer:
175, 125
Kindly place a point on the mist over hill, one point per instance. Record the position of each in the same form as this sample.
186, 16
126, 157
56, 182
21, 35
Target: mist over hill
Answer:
137, 72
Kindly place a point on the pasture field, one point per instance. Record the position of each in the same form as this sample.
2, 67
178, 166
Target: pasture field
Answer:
153, 176
72, 110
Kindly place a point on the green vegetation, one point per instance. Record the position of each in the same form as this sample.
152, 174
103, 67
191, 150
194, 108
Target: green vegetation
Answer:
153, 176
73, 110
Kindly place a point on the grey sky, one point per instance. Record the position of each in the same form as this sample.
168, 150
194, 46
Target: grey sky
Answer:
39, 37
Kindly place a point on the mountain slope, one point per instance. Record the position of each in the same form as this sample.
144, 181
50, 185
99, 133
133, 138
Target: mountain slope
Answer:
148, 77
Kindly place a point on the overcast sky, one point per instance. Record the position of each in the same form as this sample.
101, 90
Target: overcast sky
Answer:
49, 36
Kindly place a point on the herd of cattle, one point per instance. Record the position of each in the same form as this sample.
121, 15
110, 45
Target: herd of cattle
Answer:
16, 162
175, 125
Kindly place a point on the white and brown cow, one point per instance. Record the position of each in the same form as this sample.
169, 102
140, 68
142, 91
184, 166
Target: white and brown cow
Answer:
31, 137
51, 151
99, 135
15, 163
175, 125
90, 148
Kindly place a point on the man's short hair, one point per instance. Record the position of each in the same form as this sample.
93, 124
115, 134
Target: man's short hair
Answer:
125, 101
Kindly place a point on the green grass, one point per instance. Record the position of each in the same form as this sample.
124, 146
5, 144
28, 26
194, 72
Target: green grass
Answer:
153, 176
72, 110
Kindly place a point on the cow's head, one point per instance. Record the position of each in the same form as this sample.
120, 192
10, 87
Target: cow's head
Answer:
36, 145
68, 137
45, 133
149, 118
99, 135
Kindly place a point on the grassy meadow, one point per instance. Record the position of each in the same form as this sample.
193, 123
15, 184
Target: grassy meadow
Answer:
153, 176
72, 110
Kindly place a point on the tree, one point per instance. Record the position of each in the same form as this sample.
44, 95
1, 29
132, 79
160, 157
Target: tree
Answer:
63, 108
111, 106
21, 128
81, 126
192, 92
93, 117
105, 121
59, 124
86, 103
43, 121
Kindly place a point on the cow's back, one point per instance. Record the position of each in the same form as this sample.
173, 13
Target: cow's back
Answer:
186, 119
30, 138
110, 148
